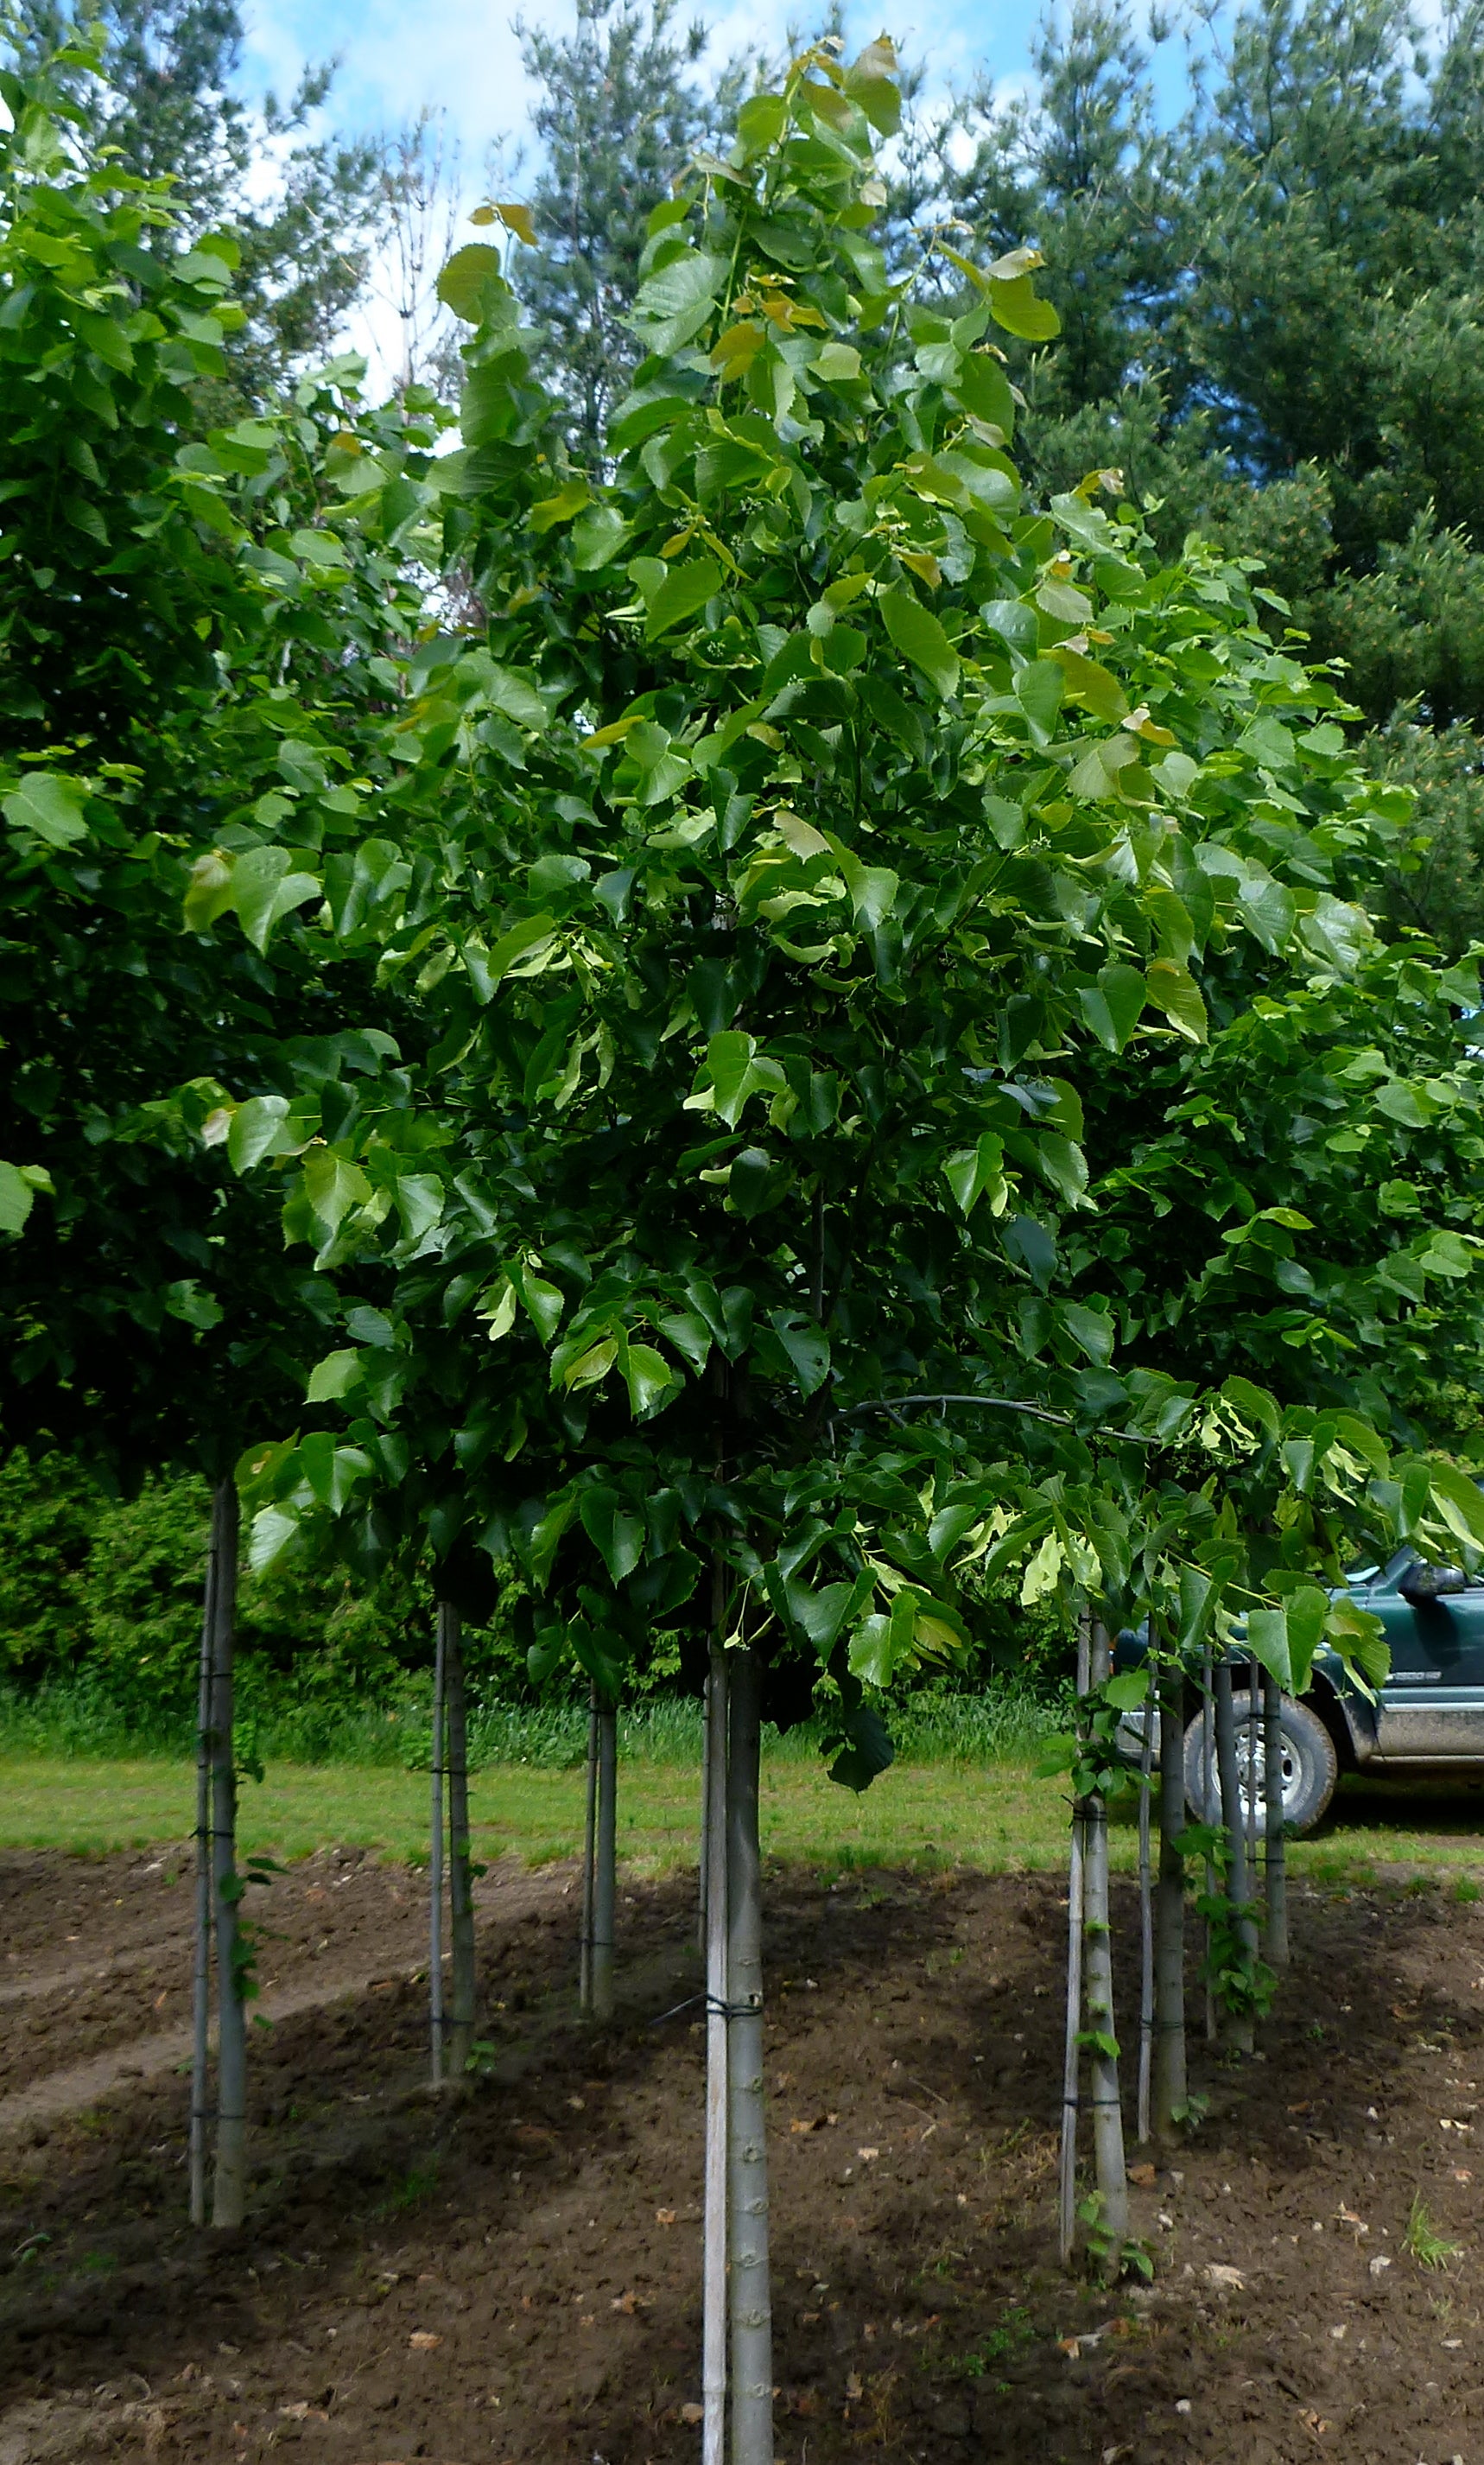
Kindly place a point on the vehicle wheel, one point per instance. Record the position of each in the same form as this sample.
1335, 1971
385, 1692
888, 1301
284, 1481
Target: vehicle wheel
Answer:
1311, 1767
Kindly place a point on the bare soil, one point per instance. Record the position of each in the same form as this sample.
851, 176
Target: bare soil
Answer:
511, 2272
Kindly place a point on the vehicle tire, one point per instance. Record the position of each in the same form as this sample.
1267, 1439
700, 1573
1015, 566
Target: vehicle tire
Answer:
1311, 1767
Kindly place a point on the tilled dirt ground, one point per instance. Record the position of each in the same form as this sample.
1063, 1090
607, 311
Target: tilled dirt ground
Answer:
511, 2272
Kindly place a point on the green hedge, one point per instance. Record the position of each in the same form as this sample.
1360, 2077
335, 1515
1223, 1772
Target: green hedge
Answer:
101, 1622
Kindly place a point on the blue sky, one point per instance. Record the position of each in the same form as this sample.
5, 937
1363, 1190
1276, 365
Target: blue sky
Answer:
463, 55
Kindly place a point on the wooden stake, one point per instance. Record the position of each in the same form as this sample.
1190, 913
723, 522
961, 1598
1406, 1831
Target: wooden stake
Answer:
589, 1853
1145, 1921
229, 2183
1275, 1848
1071, 2058
605, 1881
460, 2034
436, 1871
201, 1976
750, 2290
714, 1850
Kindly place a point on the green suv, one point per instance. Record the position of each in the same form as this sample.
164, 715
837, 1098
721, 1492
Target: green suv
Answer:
1428, 1715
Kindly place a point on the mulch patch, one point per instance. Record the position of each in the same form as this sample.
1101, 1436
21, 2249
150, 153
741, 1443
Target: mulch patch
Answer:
512, 2273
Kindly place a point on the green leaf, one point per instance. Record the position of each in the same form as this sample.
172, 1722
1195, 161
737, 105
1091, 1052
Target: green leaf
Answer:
543, 1302
915, 632
648, 1377
975, 1170
517, 943
1128, 1690
868, 1753
333, 1186
872, 81
470, 280
1014, 305
675, 303
684, 590
807, 1348
1113, 1008
333, 1377
873, 888
759, 123
618, 1536
19, 1183
49, 807
1038, 689
257, 1130
265, 888
1175, 992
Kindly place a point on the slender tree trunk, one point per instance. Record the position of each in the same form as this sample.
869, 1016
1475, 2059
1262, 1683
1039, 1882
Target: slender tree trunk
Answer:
201, 1976
605, 1884
1252, 1759
589, 1853
1169, 1976
436, 1867
229, 2186
1145, 1921
1238, 2029
714, 1863
751, 2295
1098, 1961
1275, 1863
1071, 2058
1211, 1813
702, 1874
460, 2039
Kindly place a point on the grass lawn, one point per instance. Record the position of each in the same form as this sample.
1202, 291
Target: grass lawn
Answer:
994, 1815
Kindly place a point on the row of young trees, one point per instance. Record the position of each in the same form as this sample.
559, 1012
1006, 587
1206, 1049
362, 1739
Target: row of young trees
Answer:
755, 1033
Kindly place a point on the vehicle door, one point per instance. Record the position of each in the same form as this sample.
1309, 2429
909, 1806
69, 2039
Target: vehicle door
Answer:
1432, 1703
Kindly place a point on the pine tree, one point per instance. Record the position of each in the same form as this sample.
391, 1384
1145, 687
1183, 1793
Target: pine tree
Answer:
168, 101
620, 112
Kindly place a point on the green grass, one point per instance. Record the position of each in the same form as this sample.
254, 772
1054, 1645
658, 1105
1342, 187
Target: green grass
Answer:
994, 1815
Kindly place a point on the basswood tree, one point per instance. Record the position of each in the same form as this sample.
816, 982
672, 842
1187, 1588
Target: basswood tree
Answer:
193, 629
781, 839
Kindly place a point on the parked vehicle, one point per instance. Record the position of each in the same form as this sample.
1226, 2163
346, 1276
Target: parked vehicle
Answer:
1427, 1715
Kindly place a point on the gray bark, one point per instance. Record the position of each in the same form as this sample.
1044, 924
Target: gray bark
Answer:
714, 1868
1097, 1961
605, 1881
1169, 1957
1237, 2030
1275, 1864
590, 1854
751, 2297
436, 2019
201, 1971
1071, 2058
229, 2184
1209, 1813
1145, 1923
461, 2028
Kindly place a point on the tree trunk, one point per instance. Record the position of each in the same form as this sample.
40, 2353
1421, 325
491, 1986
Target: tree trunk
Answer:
1211, 1813
436, 1867
590, 1854
229, 2186
751, 2297
460, 2036
1169, 1972
1237, 2030
1097, 1961
605, 1881
713, 2375
1274, 1864
1145, 1923
1071, 2060
201, 1975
